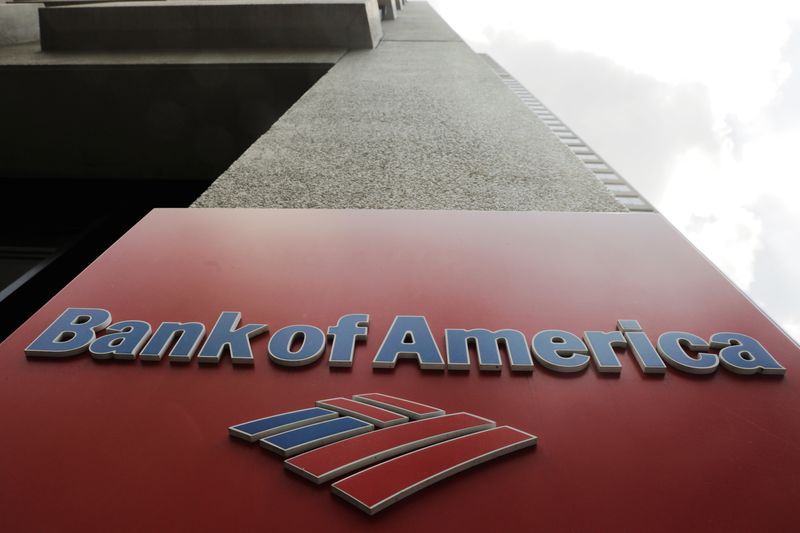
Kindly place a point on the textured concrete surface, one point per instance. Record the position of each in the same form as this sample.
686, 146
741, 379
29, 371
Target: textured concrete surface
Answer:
420, 22
211, 24
29, 55
417, 125
19, 23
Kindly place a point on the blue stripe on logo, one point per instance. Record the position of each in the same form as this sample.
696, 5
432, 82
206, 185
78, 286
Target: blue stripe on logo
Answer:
277, 423
316, 434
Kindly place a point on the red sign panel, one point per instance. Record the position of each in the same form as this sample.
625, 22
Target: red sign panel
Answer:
143, 443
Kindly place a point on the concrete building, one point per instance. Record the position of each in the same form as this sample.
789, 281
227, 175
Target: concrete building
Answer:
111, 109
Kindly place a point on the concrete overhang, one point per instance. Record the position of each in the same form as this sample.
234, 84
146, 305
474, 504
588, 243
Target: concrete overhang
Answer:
28, 55
18, 23
211, 24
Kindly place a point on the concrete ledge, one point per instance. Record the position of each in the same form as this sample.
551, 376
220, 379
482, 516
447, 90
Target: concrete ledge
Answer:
29, 55
211, 24
19, 23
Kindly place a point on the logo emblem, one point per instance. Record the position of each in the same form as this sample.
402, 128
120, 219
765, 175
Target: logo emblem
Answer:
388, 447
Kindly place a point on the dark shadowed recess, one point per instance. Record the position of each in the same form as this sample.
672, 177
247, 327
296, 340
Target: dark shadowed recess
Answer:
85, 152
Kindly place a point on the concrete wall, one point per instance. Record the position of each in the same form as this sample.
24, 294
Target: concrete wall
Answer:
421, 122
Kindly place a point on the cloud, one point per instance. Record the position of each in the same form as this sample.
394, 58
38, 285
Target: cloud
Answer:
784, 110
697, 104
777, 264
739, 206
637, 123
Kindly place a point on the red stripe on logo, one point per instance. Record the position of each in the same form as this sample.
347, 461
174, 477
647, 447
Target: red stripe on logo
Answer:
369, 413
343, 457
382, 485
413, 410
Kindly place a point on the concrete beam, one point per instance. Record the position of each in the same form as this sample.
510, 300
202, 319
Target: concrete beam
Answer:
19, 23
29, 56
211, 24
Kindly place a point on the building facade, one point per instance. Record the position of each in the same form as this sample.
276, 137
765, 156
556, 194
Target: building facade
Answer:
316, 264
105, 124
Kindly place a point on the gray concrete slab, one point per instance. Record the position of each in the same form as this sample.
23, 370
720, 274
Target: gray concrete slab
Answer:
211, 24
419, 22
411, 125
30, 55
19, 23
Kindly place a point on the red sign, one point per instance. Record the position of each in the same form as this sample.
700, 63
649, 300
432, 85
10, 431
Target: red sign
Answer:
109, 444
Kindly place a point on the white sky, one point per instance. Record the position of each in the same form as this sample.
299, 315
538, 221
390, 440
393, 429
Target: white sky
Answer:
696, 103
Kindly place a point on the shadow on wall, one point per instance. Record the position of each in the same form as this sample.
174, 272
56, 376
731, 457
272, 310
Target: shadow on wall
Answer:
143, 122
87, 151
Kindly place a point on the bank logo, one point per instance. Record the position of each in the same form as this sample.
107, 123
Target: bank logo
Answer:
387, 447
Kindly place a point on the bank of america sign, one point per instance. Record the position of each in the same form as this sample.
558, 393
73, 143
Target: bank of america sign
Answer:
76, 331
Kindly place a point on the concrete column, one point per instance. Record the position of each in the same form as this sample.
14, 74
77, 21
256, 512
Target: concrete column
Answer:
389, 9
19, 23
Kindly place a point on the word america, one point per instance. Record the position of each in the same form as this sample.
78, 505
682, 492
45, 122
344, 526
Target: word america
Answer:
76, 330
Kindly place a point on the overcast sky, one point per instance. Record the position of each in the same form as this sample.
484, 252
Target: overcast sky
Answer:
696, 103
